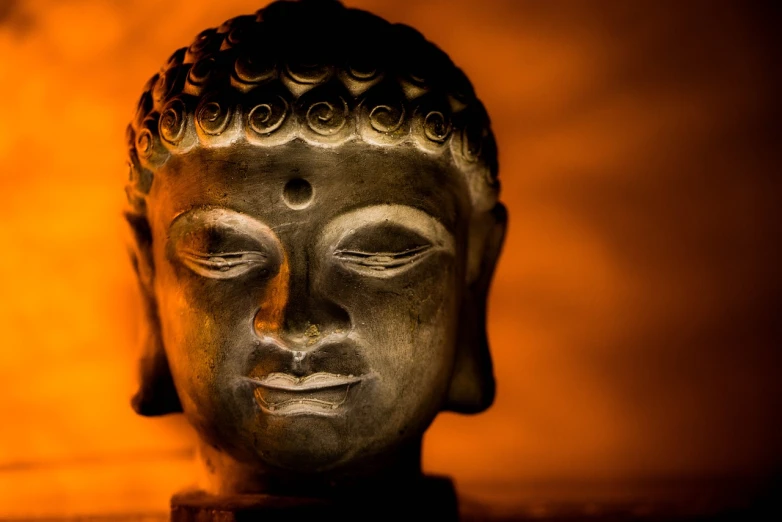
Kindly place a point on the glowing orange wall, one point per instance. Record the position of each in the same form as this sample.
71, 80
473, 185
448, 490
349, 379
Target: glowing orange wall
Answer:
634, 315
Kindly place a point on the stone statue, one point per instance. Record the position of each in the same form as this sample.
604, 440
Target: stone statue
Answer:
314, 199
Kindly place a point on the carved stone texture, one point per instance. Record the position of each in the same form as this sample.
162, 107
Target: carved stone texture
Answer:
313, 195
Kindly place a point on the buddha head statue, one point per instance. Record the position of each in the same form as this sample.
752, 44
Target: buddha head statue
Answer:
314, 203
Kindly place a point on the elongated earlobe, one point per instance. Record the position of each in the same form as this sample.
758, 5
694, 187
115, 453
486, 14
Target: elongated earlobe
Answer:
472, 385
157, 394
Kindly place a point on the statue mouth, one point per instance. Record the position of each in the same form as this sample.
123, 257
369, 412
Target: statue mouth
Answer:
319, 393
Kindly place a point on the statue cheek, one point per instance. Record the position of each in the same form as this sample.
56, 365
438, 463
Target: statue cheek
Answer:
436, 293
208, 323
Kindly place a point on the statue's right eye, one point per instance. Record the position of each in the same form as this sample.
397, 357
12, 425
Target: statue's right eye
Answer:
222, 265
219, 243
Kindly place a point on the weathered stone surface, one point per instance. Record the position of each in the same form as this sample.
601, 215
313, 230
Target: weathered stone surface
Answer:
314, 198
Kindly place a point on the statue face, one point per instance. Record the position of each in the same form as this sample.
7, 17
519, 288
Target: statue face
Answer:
309, 297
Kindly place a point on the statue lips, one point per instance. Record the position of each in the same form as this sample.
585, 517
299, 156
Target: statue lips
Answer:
319, 381
319, 393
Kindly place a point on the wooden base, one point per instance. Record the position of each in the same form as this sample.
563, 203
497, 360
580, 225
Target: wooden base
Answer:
432, 497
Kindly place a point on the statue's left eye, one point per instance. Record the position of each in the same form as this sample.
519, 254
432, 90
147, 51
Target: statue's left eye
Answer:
222, 265
382, 250
380, 261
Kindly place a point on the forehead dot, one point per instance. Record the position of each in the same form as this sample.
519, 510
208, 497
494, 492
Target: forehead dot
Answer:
297, 193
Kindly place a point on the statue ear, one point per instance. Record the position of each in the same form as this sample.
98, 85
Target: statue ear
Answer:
472, 383
157, 394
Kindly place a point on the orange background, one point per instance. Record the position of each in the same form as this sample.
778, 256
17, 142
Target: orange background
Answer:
634, 318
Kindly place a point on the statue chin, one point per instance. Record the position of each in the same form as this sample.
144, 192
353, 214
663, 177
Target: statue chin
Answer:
316, 227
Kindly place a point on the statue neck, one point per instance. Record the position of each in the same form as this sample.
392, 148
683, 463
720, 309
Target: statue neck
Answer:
391, 486
220, 474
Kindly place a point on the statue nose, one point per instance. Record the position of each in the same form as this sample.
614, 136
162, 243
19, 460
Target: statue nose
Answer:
303, 314
308, 319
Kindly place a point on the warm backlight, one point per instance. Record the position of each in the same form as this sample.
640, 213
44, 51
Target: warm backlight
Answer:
632, 319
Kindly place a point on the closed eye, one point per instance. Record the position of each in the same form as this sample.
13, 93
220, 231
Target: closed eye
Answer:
382, 261
224, 265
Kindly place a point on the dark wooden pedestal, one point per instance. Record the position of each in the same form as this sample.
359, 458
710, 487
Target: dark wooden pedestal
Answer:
432, 498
